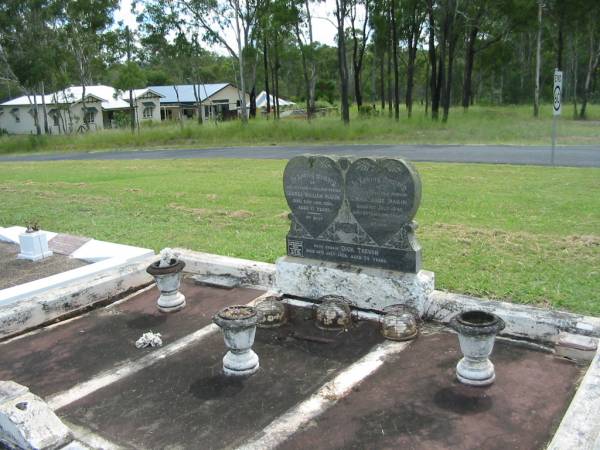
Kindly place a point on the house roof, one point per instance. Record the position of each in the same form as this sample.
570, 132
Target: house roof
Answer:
110, 97
186, 92
261, 100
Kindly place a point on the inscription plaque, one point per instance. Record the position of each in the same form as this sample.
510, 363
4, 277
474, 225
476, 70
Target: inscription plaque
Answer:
354, 210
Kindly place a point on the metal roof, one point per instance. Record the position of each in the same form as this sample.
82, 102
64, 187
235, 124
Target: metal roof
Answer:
186, 92
110, 97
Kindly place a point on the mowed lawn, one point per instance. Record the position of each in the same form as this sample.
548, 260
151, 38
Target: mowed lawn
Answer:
526, 234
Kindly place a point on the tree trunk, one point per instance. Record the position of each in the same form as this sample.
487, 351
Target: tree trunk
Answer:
382, 80
342, 63
131, 111
593, 62
390, 88
435, 93
427, 87
469, 60
36, 118
451, 38
266, 66
312, 86
538, 62
395, 58
241, 64
574, 77
253, 102
44, 110
276, 82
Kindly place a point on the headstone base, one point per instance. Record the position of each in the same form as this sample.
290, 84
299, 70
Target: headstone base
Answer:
27, 422
366, 287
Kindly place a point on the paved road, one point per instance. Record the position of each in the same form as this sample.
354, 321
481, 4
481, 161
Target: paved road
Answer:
576, 156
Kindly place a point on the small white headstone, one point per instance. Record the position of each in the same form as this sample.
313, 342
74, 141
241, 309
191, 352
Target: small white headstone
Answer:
34, 246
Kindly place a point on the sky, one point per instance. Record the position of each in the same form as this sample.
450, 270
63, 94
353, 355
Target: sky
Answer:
324, 30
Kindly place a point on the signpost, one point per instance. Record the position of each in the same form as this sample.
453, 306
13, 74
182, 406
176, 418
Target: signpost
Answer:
556, 107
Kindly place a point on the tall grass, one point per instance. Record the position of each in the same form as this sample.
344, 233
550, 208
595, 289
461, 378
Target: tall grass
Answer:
480, 125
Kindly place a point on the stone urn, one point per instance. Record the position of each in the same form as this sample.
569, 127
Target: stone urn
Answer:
476, 334
167, 273
238, 324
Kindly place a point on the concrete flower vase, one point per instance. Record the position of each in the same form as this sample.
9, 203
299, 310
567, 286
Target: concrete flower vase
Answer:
168, 280
476, 334
238, 324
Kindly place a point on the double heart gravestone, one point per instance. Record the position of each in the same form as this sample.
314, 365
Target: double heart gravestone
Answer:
356, 211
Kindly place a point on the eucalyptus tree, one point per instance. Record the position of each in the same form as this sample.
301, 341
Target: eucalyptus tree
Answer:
303, 28
28, 48
341, 14
360, 35
379, 23
412, 18
84, 26
592, 30
219, 18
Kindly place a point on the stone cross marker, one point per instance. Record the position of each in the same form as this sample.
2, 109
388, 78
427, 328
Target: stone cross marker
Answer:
354, 210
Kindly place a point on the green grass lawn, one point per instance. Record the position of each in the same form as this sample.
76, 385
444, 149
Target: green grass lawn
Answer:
528, 234
480, 125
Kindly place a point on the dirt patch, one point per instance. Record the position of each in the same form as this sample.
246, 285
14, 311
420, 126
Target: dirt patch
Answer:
241, 214
212, 197
201, 213
198, 212
133, 190
284, 215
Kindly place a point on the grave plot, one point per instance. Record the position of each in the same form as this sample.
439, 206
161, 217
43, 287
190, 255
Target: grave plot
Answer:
342, 343
15, 271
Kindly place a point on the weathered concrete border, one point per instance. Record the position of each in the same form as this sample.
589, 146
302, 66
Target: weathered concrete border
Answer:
47, 306
580, 426
522, 321
251, 273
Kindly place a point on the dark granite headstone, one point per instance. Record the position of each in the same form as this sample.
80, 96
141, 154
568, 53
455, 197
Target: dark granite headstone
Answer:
355, 211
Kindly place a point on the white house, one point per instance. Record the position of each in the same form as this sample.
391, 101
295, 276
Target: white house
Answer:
70, 110
216, 101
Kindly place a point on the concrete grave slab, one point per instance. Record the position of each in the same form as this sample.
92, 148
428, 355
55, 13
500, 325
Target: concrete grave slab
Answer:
58, 357
205, 408
415, 402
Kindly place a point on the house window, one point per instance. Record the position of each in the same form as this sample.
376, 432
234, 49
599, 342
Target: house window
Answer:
148, 112
90, 116
55, 120
15, 114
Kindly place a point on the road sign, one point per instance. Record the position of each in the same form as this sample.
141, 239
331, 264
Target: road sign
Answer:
557, 106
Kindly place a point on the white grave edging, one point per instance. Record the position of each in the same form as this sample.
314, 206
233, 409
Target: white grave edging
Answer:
49, 304
104, 256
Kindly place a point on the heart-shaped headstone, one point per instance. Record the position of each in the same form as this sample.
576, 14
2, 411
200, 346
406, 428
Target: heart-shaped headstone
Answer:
383, 195
314, 190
